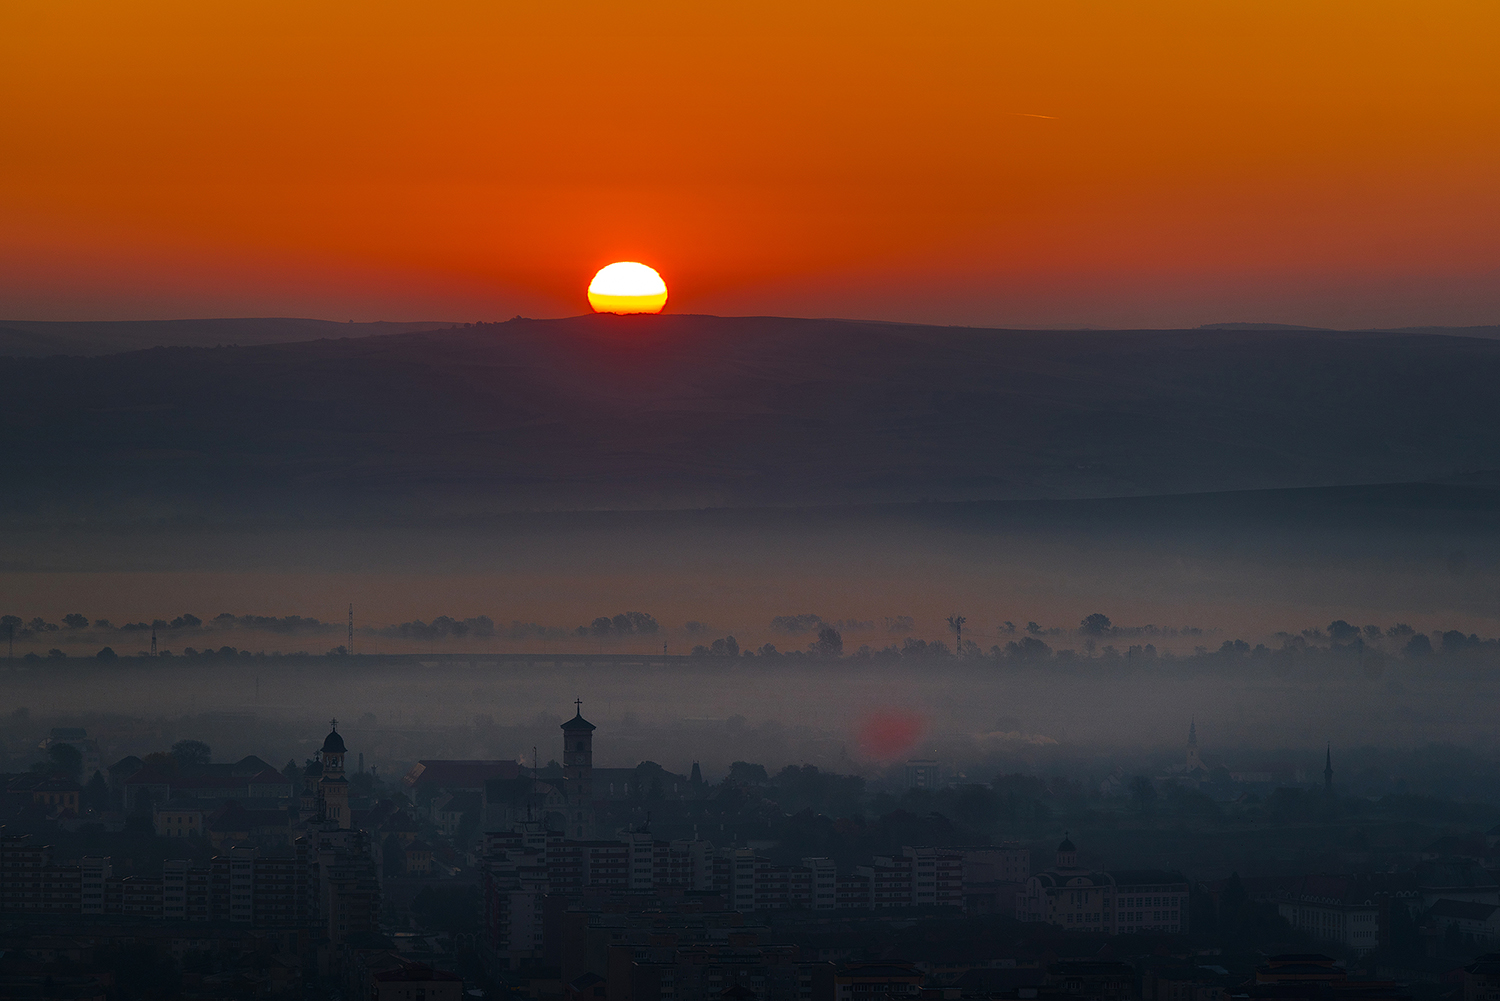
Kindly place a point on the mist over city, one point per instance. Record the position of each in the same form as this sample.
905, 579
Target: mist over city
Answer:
777, 502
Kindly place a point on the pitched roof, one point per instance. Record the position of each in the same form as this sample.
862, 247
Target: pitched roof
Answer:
399, 822
199, 781
233, 817
126, 765
1000, 979
579, 723
1466, 910
459, 774
1069, 877
1146, 877
461, 802
415, 972
1357, 890
248, 765
517, 792
57, 785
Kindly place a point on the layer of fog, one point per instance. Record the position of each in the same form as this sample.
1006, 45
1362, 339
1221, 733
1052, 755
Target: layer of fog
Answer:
976, 719
1198, 571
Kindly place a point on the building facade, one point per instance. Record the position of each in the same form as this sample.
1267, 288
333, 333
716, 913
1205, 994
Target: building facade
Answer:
1113, 903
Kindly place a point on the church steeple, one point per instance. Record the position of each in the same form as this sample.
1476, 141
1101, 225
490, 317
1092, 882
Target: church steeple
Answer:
333, 788
1067, 853
1328, 771
578, 773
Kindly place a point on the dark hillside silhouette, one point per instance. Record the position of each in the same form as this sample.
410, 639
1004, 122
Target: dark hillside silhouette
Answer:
673, 411
45, 338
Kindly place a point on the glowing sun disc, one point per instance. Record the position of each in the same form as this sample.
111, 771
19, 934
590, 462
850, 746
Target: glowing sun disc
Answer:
627, 287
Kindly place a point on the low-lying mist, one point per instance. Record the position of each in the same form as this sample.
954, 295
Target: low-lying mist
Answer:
851, 715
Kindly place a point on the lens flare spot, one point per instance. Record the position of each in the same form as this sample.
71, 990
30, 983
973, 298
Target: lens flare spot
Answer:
890, 734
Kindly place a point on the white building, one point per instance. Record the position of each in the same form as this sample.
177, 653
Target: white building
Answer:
1342, 909
1113, 903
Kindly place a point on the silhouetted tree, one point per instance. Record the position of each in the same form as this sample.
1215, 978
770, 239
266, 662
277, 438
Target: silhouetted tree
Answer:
1097, 624
1232, 903
66, 761
191, 752
746, 773
160, 761
1455, 641
455, 910
1029, 648
1342, 632
1418, 646
96, 793
392, 856
1142, 794
829, 643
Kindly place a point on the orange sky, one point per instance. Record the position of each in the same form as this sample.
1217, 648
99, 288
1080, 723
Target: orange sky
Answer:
1326, 163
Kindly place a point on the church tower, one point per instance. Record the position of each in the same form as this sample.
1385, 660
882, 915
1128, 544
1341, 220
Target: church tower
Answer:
333, 788
1194, 762
578, 774
1067, 853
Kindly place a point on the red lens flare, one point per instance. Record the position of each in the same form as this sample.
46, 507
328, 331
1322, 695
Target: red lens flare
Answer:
889, 734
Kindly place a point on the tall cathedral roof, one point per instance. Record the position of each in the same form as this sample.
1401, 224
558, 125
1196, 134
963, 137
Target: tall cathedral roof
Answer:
333, 743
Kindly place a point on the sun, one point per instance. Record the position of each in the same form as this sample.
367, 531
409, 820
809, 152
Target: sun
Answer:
627, 287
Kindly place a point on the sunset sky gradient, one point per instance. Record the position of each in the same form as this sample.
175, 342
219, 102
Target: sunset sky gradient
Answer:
1021, 164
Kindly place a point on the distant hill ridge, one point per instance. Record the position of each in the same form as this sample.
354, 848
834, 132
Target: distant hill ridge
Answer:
87, 338
42, 338
1477, 331
682, 411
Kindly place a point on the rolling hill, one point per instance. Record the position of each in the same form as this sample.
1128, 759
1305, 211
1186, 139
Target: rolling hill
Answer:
604, 412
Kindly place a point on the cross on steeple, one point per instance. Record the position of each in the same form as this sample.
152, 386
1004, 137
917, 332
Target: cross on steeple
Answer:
333, 724
578, 703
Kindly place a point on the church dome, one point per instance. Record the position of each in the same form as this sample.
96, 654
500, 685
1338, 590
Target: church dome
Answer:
1066, 846
333, 743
